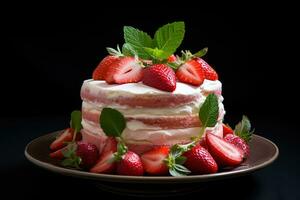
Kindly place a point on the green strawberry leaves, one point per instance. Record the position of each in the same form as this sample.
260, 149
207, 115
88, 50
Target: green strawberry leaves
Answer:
243, 129
112, 122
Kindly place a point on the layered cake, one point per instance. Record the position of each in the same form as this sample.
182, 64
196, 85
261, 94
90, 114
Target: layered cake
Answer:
154, 117
149, 111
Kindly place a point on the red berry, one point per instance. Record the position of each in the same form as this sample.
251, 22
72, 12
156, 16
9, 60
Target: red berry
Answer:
239, 143
209, 72
130, 165
88, 153
153, 160
199, 161
100, 71
124, 70
105, 163
223, 152
160, 76
191, 73
172, 58
226, 130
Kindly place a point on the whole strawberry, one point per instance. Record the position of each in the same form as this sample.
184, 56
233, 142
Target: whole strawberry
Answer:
160, 76
209, 72
199, 161
80, 155
130, 165
241, 136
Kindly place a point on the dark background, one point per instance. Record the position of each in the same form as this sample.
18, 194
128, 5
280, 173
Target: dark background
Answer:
46, 57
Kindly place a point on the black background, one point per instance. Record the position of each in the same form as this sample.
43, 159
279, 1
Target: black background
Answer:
47, 55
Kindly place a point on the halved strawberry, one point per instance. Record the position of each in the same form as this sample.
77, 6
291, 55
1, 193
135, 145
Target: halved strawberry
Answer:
58, 154
160, 76
191, 73
153, 160
223, 152
226, 130
100, 71
105, 163
61, 140
199, 161
209, 72
124, 70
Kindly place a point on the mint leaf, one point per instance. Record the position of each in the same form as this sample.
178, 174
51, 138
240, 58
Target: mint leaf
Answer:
243, 129
156, 53
169, 37
209, 111
76, 120
112, 122
128, 50
138, 40
201, 53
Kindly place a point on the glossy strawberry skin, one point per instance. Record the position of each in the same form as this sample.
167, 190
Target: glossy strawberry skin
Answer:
62, 139
105, 163
100, 71
130, 165
199, 161
224, 153
88, 153
160, 76
226, 130
153, 160
209, 72
191, 73
124, 70
239, 143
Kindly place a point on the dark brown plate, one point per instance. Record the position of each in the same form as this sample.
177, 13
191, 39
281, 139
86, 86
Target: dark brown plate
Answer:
263, 153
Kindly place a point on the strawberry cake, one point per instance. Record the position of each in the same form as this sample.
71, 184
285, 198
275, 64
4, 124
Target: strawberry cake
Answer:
153, 117
149, 111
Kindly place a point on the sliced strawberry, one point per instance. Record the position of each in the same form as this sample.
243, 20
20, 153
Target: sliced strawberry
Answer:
199, 161
153, 161
210, 73
124, 70
130, 165
61, 140
226, 130
58, 154
223, 152
160, 76
239, 143
191, 73
100, 71
105, 163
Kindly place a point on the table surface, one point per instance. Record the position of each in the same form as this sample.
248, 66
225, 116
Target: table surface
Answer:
277, 181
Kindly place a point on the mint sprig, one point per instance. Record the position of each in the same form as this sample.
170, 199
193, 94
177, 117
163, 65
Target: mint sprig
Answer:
112, 122
75, 123
209, 111
169, 37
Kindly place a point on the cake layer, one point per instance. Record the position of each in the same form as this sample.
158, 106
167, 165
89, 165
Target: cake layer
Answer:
154, 121
143, 141
140, 95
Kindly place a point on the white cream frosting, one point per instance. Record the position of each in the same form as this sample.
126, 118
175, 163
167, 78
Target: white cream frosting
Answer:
129, 89
157, 137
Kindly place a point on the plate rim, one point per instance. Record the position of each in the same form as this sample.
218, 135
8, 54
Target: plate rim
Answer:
147, 179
